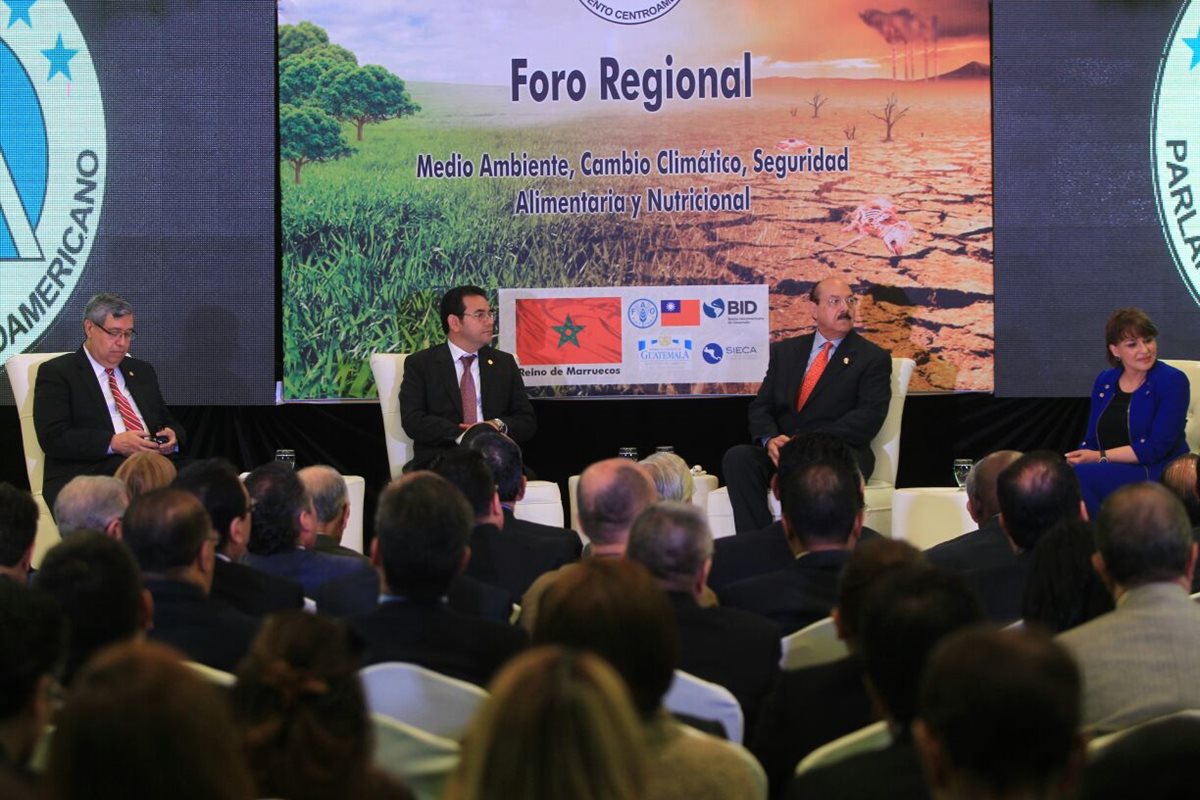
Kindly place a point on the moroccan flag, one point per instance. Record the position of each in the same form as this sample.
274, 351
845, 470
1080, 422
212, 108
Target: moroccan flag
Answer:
569, 330
680, 312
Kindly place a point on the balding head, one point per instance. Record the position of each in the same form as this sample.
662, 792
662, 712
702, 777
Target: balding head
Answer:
327, 488
91, 503
168, 532
611, 494
1180, 477
1143, 536
982, 502
1036, 492
673, 541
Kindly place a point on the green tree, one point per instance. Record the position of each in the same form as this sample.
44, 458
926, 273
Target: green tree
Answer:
333, 52
366, 94
308, 134
295, 39
300, 76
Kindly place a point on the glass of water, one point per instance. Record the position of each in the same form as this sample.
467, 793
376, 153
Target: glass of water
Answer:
628, 452
287, 457
962, 468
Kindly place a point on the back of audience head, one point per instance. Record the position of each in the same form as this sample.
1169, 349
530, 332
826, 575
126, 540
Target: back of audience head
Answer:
671, 475
283, 516
982, 500
503, 457
673, 541
216, 484
822, 505
903, 617
422, 525
330, 500
811, 448
1036, 492
1063, 590
1143, 536
91, 503
614, 608
144, 471
867, 563
139, 723
97, 585
167, 530
468, 471
32, 645
1157, 759
999, 716
559, 723
1181, 477
611, 493
18, 529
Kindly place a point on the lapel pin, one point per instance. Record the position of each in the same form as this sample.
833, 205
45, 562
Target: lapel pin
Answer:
846, 361
489, 362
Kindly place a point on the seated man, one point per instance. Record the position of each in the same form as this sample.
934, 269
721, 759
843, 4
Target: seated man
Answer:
987, 546
18, 529
331, 502
94, 407
832, 381
91, 503
449, 388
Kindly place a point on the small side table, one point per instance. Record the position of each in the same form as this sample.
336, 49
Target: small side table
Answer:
925, 516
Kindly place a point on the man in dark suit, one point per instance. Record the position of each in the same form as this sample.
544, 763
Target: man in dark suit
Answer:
986, 547
217, 486
832, 381
172, 538
331, 502
421, 530
449, 388
94, 407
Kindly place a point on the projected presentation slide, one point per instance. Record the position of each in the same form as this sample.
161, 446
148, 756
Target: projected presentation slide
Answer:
634, 144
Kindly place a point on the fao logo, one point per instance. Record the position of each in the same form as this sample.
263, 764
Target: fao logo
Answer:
629, 12
712, 353
715, 309
643, 313
52, 165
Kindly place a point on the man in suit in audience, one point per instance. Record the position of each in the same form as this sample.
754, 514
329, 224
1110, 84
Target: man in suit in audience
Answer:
904, 616
449, 388
96, 406
1141, 660
18, 529
421, 530
733, 648
822, 517
1183, 479
511, 560
172, 538
91, 503
331, 502
832, 381
987, 546
217, 486
817, 704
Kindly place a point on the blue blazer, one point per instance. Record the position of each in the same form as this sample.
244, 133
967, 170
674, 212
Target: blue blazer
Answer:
1157, 414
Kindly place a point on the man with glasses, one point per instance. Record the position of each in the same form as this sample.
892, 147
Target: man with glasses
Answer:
829, 381
97, 406
450, 388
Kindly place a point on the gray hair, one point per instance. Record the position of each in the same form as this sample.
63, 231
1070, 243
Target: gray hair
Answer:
90, 503
671, 476
673, 541
105, 303
327, 488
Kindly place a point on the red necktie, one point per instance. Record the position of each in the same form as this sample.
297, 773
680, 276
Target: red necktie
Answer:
128, 416
813, 375
466, 387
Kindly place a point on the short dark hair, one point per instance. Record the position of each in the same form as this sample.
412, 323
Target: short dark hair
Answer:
279, 499
18, 523
469, 473
32, 641
453, 303
1182, 476
216, 484
1062, 590
821, 502
422, 524
1036, 492
166, 529
503, 456
868, 561
607, 510
1123, 323
812, 448
672, 540
903, 617
1143, 534
96, 583
1005, 706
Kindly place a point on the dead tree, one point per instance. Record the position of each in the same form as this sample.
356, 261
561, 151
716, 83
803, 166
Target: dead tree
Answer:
794, 110
849, 130
890, 116
816, 103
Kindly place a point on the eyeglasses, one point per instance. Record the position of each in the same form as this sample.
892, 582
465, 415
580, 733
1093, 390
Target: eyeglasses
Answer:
480, 316
834, 301
127, 335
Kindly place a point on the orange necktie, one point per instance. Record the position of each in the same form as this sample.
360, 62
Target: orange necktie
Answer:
813, 375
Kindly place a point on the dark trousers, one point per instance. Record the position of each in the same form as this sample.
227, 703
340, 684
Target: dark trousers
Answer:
748, 470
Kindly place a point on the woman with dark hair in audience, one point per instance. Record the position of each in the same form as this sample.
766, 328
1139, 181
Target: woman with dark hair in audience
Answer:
1139, 407
1063, 590
145, 471
559, 724
304, 719
140, 724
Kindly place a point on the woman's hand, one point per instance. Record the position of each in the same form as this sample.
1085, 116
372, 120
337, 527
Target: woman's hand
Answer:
1083, 457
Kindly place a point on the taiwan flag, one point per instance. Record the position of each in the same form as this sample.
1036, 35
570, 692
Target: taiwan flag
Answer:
680, 312
569, 330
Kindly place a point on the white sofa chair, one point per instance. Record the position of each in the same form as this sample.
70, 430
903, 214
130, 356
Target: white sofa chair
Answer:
1191, 428
420, 697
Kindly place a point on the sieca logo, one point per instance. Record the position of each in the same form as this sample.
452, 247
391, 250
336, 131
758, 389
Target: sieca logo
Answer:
52, 165
712, 353
629, 12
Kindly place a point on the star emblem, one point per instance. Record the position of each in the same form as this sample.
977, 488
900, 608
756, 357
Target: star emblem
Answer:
1194, 43
19, 11
568, 332
60, 58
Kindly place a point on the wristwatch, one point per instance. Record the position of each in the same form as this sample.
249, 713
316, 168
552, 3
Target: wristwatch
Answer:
500, 426
1103, 457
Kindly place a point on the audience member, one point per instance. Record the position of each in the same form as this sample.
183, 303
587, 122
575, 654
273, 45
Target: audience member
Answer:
422, 525
1157, 759
216, 484
171, 537
903, 618
998, 717
822, 516
32, 641
727, 646
96, 583
987, 546
18, 529
303, 714
1063, 590
91, 503
331, 502
1140, 660
814, 705
671, 475
140, 724
614, 608
558, 724
145, 471
1180, 476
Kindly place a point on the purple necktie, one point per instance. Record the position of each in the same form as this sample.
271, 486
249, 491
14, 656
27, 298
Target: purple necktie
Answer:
466, 388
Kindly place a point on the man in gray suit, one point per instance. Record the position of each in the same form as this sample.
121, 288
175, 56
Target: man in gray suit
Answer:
1141, 660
